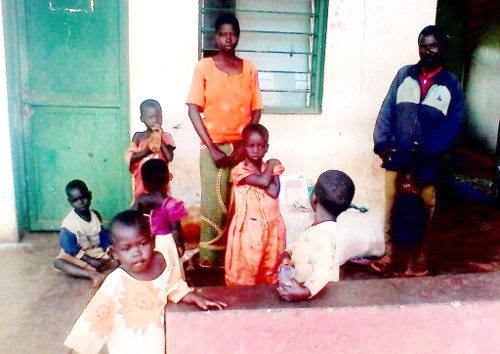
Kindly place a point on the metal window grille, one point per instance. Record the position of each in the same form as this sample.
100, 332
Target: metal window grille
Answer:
285, 39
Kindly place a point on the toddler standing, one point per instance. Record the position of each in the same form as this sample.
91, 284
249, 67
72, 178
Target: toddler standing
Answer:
164, 212
127, 312
257, 232
314, 255
151, 143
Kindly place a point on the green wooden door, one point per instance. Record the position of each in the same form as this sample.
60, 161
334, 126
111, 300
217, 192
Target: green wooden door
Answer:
74, 105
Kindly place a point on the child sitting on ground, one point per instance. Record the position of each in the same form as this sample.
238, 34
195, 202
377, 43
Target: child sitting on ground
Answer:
127, 312
165, 212
257, 232
149, 144
314, 255
83, 241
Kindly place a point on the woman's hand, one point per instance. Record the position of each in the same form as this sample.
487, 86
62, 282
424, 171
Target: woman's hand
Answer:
219, 157
238, 153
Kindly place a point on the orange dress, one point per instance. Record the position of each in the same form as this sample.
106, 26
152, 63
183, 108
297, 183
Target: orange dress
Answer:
227, 101
135, 168
257, 232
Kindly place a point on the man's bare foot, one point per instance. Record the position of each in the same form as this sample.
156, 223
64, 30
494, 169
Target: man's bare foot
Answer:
486, 267
416, 273
416, 269
97, 279
383, 264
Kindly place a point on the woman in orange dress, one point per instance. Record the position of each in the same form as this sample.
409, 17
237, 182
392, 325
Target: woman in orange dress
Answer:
223, 99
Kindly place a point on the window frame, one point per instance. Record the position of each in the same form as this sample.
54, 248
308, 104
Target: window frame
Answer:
316, 61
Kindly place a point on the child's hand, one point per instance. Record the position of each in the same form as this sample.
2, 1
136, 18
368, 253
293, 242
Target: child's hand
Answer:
156, 128
273, 162
284, 259
203, 303
94, 263
154, 143
207, 304
180, 250
294, 292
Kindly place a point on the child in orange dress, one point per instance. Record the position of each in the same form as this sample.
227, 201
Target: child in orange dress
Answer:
257, 232
149, 144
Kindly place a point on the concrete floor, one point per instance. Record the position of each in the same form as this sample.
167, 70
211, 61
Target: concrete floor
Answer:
38, 304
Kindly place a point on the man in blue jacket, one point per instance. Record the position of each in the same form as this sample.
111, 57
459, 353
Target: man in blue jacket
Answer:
417, 124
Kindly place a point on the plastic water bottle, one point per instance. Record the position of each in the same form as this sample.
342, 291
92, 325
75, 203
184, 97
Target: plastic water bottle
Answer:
285, 274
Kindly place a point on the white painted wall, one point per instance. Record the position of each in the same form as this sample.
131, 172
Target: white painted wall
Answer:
367, 42
8, 221
163, 42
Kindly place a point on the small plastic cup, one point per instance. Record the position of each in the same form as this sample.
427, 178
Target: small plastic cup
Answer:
285, 274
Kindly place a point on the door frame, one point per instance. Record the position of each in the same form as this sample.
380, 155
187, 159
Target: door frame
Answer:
14, 53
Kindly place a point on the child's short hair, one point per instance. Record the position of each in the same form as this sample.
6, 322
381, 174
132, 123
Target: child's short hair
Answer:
334, 190
259, 128
76, 184
227, 18
154, 174
129, 219
149, 103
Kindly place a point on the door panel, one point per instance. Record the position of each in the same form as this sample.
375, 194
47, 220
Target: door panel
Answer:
69, 143
73, 55
74, 77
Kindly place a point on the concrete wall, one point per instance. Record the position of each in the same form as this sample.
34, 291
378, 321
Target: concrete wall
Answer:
442, 314
366, 43
8, 221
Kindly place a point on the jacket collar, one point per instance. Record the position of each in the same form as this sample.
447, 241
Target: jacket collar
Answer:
416, 71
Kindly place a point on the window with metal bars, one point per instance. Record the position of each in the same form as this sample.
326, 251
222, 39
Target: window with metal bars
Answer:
285, 39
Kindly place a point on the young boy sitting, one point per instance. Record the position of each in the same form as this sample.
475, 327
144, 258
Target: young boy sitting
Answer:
314, 255
83, 241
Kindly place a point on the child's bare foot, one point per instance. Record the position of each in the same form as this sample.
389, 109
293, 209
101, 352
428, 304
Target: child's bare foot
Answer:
89, 268
97, 279
383, 264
